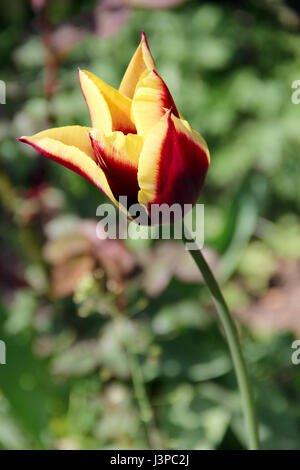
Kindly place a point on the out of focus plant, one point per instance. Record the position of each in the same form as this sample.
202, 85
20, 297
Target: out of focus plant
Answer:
239, 63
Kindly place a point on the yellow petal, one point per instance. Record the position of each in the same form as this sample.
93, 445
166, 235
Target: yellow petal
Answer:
71, 147
124, 148
118, 156
150, 101
109, 109
141, 60
173, 163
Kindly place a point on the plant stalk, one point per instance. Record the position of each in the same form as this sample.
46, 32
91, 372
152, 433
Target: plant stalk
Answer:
233, 342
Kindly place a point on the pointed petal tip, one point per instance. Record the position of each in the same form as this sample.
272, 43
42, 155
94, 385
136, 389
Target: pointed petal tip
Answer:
144, 40
25, 139
81, 73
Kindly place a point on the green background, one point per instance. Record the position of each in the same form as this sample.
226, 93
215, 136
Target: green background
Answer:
67, 383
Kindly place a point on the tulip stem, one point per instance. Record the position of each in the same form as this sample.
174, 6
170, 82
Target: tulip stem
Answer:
233, 342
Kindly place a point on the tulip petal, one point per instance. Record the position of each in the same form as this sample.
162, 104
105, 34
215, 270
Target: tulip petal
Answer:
141, 60
71, 147
150, 101
109, 109
118, 156
173, 163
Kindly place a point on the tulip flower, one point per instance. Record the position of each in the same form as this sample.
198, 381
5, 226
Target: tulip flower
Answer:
138, 145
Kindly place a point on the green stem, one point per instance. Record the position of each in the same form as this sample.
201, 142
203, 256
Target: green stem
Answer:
233, 342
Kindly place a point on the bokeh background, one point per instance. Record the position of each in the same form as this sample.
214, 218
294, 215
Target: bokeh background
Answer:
82, 318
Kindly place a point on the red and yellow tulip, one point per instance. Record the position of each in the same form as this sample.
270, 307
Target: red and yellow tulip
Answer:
138, 146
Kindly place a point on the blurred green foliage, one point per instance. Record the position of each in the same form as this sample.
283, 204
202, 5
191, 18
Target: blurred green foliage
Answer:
67, 381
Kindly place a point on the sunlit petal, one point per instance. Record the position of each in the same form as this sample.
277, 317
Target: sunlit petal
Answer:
141, 60
173, 163
118, 156
71, 147
150, 101
109, 109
